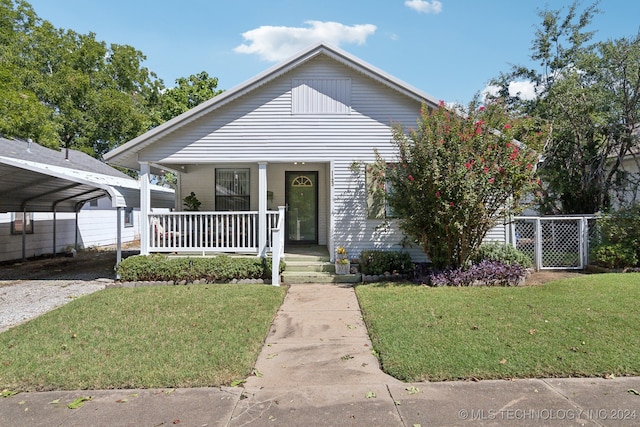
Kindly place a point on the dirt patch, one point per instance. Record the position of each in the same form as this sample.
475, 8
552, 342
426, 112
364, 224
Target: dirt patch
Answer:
544, 276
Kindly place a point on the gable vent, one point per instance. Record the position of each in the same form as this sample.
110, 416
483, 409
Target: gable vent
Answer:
321, 96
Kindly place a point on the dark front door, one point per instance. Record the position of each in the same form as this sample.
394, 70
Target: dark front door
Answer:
302, 207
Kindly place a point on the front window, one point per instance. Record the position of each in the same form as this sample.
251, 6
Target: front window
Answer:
128, 217
232, 189
21, 221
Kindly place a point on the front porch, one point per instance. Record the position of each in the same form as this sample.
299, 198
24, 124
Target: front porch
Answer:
213, 232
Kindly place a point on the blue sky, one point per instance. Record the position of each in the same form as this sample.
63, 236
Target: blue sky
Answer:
449, 49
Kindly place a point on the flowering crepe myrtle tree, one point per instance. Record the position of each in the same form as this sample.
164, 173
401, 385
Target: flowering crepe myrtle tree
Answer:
456, 175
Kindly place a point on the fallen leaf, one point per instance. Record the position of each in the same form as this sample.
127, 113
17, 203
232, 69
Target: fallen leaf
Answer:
78, 402
236, 383
370, 395
347, 357
532, 331
413, 389
8, 393
633, 391
176, 421
22, 402
169, 391
122, 401
609, 376
503, 361
257, 373
351, 326
272, 355
53, 402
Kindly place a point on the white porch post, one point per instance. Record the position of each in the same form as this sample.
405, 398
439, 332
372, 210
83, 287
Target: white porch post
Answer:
145, 207
262, 209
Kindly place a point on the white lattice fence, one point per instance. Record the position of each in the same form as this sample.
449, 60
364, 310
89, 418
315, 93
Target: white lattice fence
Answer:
555, 242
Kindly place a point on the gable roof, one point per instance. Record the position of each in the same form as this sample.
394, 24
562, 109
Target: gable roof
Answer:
125, 155
39, 179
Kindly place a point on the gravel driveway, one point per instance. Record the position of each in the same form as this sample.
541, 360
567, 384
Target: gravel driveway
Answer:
31, 288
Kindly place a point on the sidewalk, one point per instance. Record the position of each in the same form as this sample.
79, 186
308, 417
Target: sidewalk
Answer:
317, 369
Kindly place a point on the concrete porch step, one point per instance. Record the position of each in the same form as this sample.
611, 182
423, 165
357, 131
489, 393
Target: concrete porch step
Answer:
318, 277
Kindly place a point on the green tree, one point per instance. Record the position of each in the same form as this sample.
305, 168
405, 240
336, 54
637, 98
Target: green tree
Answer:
189, 92
456, 176
68, 89
590, 93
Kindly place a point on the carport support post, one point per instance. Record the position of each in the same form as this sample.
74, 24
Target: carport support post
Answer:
118, 239
54, 232
145, 207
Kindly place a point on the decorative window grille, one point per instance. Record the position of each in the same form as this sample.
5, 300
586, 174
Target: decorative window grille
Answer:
232, 190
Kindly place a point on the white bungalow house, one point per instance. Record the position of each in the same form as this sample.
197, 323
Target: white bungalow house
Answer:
291, 142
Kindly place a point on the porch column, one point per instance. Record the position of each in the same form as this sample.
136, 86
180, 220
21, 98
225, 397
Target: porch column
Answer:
145, 207
262, 209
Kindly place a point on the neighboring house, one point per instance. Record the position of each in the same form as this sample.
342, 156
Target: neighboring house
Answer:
298, 136
69, 200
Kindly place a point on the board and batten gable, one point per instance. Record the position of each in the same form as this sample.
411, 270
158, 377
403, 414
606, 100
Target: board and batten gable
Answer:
260, 125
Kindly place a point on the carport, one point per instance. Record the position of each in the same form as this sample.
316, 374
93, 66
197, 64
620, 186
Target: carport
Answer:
38, 179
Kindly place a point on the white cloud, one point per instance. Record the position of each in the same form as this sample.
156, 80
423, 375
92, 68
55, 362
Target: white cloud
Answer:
278, 43
524, 90
423, 6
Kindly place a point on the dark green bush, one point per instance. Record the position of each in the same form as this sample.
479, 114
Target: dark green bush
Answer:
622, 227
219, 269
613, 256
501, 252
380, 262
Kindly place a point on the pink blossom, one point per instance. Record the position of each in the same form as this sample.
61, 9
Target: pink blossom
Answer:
467, 165
492, 180
507, 126
485, 169
437, 194
529, 166
451, 204
441, 103
481, 108
410, 177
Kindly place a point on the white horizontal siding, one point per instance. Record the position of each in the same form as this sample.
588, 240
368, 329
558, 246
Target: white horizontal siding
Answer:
261, 127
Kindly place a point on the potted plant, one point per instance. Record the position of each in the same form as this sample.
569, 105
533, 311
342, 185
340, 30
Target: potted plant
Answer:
343, 265
191, 202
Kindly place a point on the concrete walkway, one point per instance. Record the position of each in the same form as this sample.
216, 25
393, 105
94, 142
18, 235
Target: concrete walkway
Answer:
317, 369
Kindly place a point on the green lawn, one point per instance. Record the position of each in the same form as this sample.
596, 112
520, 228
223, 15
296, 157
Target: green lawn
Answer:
164, 336
587, 326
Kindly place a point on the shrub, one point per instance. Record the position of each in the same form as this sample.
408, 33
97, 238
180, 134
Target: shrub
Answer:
487, 273
622, 227
219, 269
502, 252
379, 262
613, 256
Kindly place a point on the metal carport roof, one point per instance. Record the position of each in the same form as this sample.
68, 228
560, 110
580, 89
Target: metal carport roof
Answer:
38, 179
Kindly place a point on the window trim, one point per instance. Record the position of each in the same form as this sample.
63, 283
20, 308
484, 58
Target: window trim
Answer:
128, 218
29, 222
246, 197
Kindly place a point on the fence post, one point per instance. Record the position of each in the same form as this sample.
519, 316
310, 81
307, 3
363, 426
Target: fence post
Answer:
538, 239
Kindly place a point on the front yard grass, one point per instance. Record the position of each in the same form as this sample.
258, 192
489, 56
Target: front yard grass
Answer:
587, 326
147, 337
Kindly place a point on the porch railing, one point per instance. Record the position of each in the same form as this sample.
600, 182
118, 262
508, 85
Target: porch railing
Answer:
208, 231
